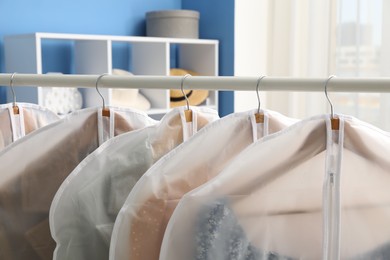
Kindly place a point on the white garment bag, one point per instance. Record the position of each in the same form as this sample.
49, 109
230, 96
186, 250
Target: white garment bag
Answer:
33, 168
85, 207
141, 223
307, 192
30, 117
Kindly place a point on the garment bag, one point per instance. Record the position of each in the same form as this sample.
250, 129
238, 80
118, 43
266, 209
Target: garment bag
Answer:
16, 125
33, 168
307, 192
140, 226
86, 205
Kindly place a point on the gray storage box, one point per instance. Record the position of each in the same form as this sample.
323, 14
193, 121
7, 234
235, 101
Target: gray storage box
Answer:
173, 23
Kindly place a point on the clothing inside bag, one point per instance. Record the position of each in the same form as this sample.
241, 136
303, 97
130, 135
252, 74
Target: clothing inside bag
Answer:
33, 168
141, 223
30, 117
307, 192
88, 201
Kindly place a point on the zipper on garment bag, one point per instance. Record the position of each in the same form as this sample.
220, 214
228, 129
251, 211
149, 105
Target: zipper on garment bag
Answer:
331, 218
331, 199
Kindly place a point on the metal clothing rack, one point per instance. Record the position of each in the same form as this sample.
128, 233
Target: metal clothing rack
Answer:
336, 84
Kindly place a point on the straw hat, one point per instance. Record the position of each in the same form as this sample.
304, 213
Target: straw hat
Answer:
195, 97
128, 97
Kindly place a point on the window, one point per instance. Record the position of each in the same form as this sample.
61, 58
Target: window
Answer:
359, 40
315, 38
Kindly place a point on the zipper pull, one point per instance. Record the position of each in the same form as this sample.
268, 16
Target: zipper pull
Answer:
331, 178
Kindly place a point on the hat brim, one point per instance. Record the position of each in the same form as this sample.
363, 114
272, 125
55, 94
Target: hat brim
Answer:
130, 98
195, 97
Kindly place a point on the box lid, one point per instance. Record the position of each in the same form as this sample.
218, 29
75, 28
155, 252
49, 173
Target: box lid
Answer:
172, 13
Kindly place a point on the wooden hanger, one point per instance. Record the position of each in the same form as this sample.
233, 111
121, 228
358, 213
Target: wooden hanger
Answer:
105, 111
188, 111
11, 84
335, 122
259, 116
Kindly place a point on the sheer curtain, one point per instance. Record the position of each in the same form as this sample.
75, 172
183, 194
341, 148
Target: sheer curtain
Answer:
313, 38
361, 51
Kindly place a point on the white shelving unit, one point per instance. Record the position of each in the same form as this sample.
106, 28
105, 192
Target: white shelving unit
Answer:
92, 54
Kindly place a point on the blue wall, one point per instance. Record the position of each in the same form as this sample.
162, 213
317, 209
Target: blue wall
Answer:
115, 17
217, 22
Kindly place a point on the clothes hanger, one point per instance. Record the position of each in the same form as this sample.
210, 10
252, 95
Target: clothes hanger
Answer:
335, 122
11, 84
259, 116
105, 111
188, 111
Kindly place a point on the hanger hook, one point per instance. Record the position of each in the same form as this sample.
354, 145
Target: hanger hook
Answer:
11, 84
257, 93
327, 97
182, 90
97, 89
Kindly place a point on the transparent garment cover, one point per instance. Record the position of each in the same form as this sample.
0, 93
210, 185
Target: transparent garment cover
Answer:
33, 168
279, 199
140, 226
85, 207
14, 126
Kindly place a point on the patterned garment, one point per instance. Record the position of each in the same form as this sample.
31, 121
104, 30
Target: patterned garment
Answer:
380, 253
220, 236
33, 169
